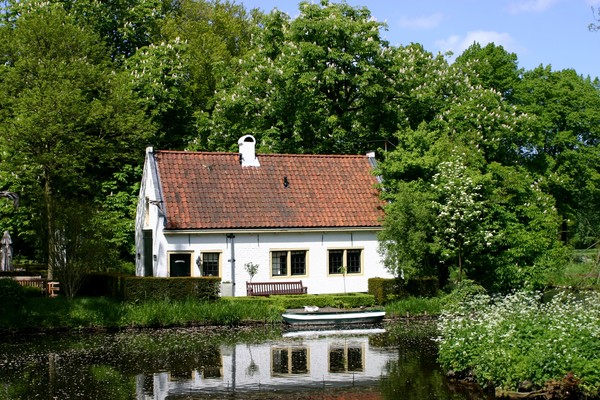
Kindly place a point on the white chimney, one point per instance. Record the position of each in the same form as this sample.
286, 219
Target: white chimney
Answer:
248, 151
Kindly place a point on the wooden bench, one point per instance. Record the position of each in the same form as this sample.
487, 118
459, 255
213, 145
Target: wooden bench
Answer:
270, 288
50, 288
32, 281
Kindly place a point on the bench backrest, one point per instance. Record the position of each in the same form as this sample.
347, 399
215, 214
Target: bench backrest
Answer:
269, 288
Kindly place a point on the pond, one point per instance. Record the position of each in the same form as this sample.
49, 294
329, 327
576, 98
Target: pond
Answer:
395, 361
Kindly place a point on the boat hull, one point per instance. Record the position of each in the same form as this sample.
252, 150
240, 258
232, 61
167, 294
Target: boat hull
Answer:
341, 317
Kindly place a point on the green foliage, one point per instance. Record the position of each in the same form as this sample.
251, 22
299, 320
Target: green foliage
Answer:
159, 76
582, 271
459, 231
492, 67
125, 25
216, 35
459, 201
419, 286
348, 300
386, 290
44, 313
405, 242
116, 217
463, 291
314, 84
11, 295
141, 289
507, 340
80, 246
414, 306
67, 122
150, 288
564, 148
381, 289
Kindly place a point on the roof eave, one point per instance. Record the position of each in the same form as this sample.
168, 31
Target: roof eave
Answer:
271, 230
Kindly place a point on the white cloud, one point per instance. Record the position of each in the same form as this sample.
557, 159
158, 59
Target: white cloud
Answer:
457, 44
425, 22
521, 6
593, 3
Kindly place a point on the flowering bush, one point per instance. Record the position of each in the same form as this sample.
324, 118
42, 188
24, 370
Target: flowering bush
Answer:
524, 337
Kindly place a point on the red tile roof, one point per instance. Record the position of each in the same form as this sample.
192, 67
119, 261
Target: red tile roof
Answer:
212, 190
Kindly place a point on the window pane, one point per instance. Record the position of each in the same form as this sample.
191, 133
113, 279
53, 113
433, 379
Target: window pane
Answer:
279, 263
210, 264
353, 261
299, 361
298, 262
280, 361
336, 261
337, 359
355, 360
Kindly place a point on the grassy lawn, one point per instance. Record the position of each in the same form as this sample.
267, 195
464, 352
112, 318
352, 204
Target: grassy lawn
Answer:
583, 271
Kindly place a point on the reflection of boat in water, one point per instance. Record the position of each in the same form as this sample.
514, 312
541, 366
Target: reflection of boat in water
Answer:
332, 332
332, 316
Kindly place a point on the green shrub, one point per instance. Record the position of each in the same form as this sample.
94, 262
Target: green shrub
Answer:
382, 289
505, 341
150, 288
134, 288
386, 290
349, 300
463, 292
415, 306
29, 291
12, 295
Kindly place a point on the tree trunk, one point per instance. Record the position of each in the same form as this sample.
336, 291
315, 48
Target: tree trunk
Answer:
459, 267
50, 226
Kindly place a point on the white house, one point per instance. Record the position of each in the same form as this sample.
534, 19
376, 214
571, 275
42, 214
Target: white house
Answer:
313, 218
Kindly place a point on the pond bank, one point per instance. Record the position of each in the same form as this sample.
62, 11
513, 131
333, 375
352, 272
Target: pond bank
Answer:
103, 314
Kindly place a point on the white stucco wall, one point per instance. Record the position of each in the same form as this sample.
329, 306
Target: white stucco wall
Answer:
257, 247
149, 216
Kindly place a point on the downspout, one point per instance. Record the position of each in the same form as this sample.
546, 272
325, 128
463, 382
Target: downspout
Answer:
231, 260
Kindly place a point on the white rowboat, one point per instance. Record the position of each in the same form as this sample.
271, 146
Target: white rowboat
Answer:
333, 317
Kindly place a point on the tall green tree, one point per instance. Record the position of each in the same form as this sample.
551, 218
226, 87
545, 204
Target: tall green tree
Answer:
317, 83
565, 145
159, 77
67, 120
492, 67
499, 231
217, 34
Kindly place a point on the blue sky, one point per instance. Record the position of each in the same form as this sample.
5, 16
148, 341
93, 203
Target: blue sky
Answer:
548, 32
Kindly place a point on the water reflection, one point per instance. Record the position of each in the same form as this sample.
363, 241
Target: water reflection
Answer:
287, 364
395, 363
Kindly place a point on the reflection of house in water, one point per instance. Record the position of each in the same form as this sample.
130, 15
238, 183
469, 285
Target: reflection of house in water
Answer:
289, 364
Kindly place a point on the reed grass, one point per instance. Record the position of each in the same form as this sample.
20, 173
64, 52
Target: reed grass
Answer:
415, 306
42, 313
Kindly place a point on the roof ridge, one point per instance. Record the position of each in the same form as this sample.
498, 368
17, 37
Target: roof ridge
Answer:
226, 153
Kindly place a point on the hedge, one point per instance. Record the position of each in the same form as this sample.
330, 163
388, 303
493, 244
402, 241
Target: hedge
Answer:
134, 288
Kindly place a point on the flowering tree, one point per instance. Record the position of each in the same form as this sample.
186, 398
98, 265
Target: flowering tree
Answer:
459, 210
